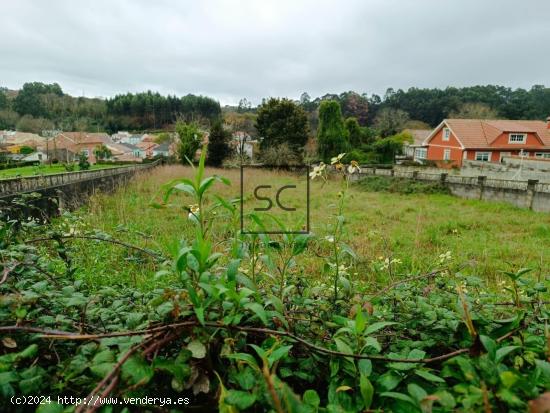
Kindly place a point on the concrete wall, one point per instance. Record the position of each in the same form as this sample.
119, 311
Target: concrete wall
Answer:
61, 191
509, 169
529, 194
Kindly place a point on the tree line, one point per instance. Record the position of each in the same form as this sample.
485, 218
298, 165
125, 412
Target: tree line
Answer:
38, 106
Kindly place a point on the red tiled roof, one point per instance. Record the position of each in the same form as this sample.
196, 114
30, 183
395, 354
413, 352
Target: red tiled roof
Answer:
479, 133
87, 137
419, 135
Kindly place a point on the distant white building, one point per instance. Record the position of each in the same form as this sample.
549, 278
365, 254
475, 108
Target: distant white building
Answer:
120, 135
132, 139
35, 156
243, 144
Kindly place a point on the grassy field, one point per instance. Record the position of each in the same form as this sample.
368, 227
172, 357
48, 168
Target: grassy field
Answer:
413, 229
40, 170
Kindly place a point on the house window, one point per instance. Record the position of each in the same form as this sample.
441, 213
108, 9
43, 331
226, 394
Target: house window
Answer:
86, 152
446, 134
446, 154
517, 138
483, 156
543, 155
524, 154
421, 153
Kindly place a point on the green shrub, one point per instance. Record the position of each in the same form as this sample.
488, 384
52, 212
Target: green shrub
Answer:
401, 185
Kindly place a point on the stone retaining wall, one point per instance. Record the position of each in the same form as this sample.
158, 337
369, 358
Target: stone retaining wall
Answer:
530, 194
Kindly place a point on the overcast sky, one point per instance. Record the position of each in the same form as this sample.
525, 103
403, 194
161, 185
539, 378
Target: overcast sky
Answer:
259, 48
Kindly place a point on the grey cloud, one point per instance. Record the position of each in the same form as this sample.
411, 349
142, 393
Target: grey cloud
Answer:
253, 49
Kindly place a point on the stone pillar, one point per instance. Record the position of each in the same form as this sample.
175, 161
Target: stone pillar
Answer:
531, 183
481, 182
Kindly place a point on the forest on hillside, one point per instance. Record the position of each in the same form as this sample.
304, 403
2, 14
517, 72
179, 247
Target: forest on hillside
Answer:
38, 106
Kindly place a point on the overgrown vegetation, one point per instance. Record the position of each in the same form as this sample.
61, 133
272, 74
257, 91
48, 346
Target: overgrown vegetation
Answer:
401, 186
243, 322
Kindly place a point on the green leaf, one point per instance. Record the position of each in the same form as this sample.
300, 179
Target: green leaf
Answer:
373, 342
278, 354
185, 188
342, 346
378, 326
398, 396
417, 392
300, 243
52, 407
240, 399
232, 270
259, 310
246, 378
446, 399
389, 380
503, 352
29, 352
360, 321
135, 370
365, 367
165, 308
247, 358
429, 376
490, 345
197, 349
311, 398
367, 390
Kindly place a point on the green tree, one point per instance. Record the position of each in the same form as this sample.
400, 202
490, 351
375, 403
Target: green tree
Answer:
474, 111
162, 137
354, 105
218, 148
30, 99
332, 136
102, 152
26, 150
387, 148
28, 123
3, 100
190, 139
282, 121
355, 132
390, 121
8, 119
83, 163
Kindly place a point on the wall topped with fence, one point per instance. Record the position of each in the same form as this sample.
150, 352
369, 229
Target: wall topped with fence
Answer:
530, 194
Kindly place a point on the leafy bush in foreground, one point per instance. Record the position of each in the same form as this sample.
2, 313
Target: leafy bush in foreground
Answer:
250, 331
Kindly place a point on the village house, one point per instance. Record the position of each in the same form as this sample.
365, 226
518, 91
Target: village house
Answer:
120, 136
77, 143
416, 150
14, 141
132, 139
123, 152
455, 140
162, 150
38, 156
147, 147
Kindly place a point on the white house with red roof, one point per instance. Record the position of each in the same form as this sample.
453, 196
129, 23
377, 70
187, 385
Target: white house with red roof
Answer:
455, 140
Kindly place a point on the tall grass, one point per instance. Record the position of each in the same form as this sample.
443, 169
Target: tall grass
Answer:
413, 228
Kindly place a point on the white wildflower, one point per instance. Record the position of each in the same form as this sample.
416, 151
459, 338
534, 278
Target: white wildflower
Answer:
354, 167
337, 159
